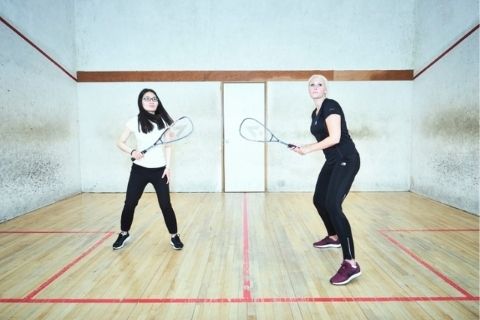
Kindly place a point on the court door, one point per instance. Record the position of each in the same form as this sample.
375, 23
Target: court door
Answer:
244, 161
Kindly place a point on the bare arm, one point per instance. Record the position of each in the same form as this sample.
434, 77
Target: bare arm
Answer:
334, 131
122, 145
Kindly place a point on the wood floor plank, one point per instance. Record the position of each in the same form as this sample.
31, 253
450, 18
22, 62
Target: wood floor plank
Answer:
246, 256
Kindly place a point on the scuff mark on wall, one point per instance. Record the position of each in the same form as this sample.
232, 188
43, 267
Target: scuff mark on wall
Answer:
453, 123
27, 133
363, 133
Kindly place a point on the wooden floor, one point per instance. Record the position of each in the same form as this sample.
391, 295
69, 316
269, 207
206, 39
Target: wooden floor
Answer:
246, 256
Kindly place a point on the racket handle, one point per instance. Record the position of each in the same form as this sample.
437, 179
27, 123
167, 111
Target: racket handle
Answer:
143, 152
291, 145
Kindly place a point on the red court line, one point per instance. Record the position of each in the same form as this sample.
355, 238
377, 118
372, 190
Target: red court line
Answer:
364, 299
32, 294
446, 51
429, 230
37, 48
427, 265
239, 300
246, 281
246, 254
52, 232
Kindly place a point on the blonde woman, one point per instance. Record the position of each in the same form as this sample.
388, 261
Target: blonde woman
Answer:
336, 176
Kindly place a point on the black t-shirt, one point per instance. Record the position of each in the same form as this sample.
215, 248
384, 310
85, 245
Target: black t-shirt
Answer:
320, 131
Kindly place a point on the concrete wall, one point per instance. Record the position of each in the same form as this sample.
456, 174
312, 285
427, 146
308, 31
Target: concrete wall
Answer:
445, 111
248, 34
50, 24
421, 135
376, 115
39, 158
104, 110
251, 35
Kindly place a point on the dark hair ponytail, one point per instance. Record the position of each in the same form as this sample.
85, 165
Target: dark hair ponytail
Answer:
146, 119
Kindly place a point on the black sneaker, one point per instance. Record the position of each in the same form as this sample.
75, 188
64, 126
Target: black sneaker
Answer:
176, 242
121, 240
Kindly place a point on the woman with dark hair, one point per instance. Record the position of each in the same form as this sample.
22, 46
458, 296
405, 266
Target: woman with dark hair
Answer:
153, 167
329, 128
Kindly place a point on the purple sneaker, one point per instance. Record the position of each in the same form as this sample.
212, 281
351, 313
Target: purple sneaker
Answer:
345, 274
327, 242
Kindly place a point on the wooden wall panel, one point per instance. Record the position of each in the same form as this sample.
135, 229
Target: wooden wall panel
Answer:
242, 76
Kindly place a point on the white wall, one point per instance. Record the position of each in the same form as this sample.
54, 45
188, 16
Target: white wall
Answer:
248, 34
50, 24
104, 111
39, 159
407, 132
252, 35
439, 24
377, 114
378, 118
445, 117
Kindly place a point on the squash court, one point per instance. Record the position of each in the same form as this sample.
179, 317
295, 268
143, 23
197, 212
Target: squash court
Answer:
406, 79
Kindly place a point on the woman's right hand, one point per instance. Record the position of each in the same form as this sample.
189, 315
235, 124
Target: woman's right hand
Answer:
136, 155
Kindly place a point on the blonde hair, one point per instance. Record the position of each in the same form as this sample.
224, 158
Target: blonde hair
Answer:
319, 76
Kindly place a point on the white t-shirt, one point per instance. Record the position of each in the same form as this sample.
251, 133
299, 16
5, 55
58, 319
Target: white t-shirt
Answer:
155, 157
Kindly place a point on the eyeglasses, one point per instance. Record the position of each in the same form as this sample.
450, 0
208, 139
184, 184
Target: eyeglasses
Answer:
147, 99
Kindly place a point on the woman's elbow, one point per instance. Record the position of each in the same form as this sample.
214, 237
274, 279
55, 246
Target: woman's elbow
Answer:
335, 140
119, 143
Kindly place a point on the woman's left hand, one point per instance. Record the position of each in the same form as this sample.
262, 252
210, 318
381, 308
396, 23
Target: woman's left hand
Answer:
300, 150
166, 173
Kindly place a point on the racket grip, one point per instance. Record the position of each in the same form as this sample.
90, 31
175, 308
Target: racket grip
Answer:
143, 152
291, 145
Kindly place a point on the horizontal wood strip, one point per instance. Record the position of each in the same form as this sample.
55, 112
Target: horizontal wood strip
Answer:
372, 75
247, 76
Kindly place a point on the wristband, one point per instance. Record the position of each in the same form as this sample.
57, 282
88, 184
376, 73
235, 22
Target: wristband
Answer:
131, 152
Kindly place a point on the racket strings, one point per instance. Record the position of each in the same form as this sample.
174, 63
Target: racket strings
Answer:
253, 130
180, 129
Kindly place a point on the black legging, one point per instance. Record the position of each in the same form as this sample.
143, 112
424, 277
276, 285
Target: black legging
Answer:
333, 185
139, 178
